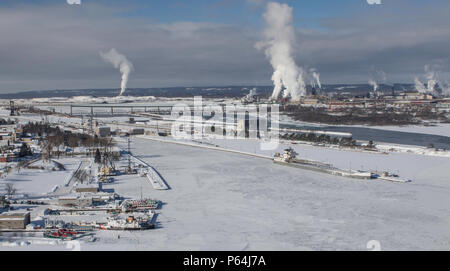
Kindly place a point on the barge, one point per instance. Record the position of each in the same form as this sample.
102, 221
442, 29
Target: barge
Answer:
288, 158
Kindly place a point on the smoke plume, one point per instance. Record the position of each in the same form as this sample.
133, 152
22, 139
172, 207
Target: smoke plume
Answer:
74, 2
445, 86
279, 37
120, 62
430, 75
376, 77
420, 87
316, 78
431, 81
374, 84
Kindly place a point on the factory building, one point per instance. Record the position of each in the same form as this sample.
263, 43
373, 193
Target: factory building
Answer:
137, 131
14, 220
88, 188
75, 201
103, 131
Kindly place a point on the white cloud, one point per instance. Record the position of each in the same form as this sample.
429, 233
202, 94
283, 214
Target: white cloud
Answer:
74, 2
372, 2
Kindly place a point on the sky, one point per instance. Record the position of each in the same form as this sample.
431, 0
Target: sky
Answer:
50, 44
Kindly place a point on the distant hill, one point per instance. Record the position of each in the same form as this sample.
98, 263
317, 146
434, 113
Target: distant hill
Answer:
211, 92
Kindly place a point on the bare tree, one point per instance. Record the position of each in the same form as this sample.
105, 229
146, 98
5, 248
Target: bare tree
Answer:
20, 165
10, 189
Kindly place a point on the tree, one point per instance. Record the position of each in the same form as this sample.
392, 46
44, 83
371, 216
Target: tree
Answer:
10, 189
24, 150
98, 157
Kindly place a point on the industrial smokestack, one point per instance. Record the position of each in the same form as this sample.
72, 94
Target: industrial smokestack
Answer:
120, 62
279, 37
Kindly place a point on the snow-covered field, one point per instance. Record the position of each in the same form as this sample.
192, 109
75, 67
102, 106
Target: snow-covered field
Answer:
39, 181
226, 201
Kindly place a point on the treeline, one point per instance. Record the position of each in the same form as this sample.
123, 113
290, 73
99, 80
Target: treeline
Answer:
321, 138
351, 116
6, 122
370, 116
55, 137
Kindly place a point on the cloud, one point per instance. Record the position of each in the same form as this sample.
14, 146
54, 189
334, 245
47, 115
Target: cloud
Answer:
74, 2
56, 47
374, 2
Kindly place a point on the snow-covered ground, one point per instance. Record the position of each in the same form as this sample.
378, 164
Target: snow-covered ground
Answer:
226, 201
39, 181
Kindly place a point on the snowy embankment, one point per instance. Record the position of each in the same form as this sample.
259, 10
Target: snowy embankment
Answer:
152, 175
411, 149
201, 145
71, 174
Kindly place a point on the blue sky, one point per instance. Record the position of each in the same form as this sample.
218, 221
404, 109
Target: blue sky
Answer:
211, 42
220, 11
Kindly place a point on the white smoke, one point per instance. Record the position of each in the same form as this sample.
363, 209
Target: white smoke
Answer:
430, 75
121, 62
374, 2
316, 78
445, 86
374, 84
377, 76
279, 39
74, 2
431, 81
420, 87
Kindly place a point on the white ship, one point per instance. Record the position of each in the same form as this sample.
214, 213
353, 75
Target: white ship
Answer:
130, 222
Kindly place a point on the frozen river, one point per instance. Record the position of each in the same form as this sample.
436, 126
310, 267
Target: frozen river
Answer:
226, 201
223, 201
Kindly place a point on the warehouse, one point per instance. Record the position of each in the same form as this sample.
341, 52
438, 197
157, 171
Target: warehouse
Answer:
14, 220
75, 201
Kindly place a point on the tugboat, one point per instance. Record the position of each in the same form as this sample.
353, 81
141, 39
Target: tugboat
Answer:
287, 156
64, 234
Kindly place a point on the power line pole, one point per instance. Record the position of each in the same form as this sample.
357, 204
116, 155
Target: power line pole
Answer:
129, 156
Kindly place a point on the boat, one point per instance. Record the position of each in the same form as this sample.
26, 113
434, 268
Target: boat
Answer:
140, 204
130, 223
64, 234
289, 158
386, 176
